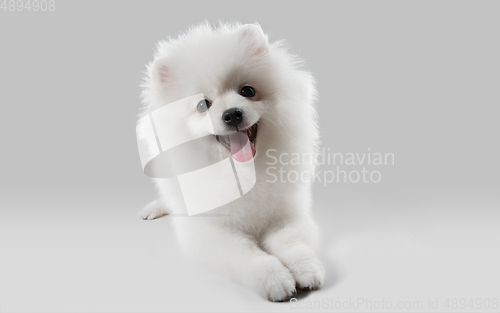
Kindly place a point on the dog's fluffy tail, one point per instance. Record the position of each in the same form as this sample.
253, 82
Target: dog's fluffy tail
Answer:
153, 210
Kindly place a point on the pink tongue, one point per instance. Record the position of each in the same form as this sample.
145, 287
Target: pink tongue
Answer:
242, 149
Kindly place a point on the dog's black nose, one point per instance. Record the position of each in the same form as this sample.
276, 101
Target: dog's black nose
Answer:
232, 117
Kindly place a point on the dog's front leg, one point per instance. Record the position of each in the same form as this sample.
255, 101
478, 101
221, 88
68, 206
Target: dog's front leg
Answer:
293, 243
238, 256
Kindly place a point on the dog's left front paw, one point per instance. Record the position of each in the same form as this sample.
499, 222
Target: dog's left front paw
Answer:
308, 273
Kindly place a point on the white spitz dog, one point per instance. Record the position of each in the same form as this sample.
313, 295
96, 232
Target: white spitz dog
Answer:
266, 239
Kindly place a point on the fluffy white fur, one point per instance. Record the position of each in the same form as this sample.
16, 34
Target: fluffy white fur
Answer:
266, 239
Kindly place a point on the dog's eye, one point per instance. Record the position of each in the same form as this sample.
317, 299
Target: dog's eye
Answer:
203, 106
247, 91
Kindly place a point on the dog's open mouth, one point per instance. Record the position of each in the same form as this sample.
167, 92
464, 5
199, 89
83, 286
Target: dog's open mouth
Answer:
241, 144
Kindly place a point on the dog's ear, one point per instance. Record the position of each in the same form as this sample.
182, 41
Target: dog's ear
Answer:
160, 73
254, 38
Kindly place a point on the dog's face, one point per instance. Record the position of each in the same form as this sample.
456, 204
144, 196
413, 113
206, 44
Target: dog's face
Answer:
232, 68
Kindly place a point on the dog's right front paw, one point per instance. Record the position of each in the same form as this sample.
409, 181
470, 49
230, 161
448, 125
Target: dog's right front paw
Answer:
153, 210
277, 282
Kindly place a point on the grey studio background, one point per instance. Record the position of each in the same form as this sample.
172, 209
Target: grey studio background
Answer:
416, 79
